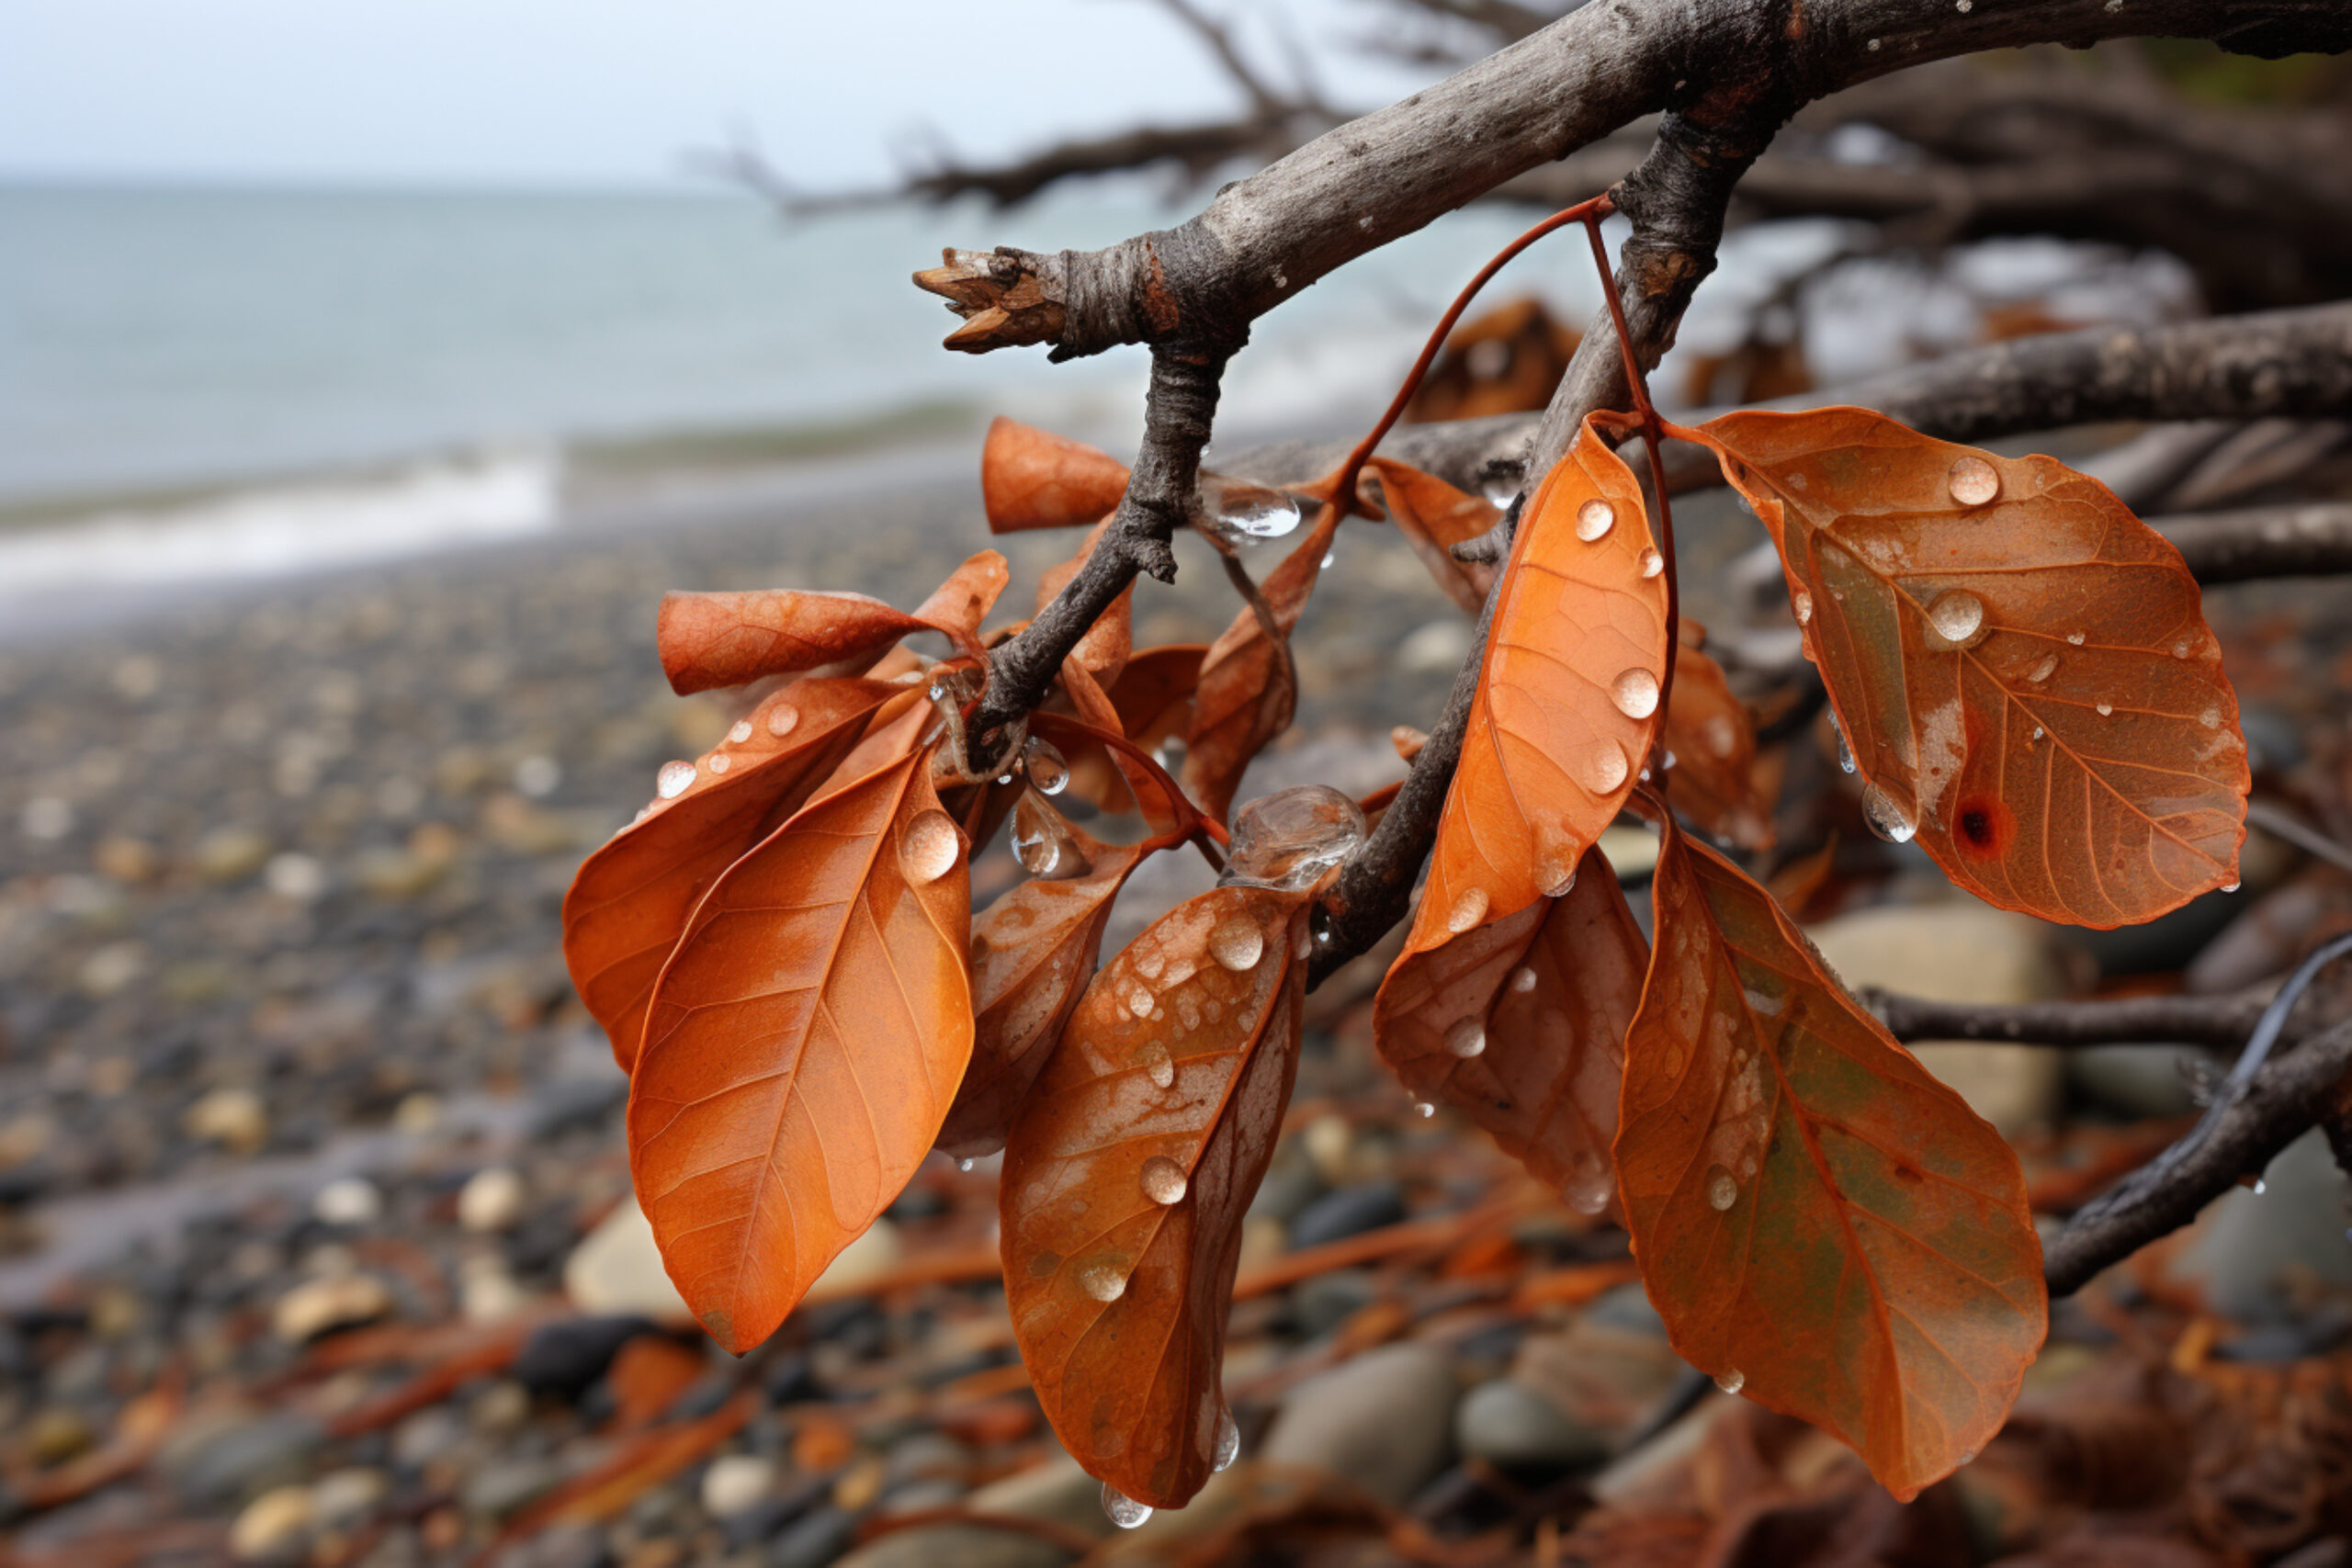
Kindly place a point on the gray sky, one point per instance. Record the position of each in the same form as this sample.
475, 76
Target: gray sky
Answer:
594, 91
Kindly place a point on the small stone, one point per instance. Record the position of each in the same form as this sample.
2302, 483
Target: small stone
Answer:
1434, 648
735, 1482
217, 1461
1348, 1211
871, 1256
397, 874
1057, 1490
502, 1486
492, 1199
819, 1537
348, 1200
233, 1118
320, 1306
500, 1409
341, 1496
1383, 1419
1507, 1422
617, 1270
230, 854
562, 1358
1322, 1302
273, 1528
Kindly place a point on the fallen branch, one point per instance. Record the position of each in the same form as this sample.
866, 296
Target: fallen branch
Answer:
2221, 1022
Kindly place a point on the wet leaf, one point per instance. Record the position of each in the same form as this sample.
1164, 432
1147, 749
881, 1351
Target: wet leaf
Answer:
1032, 952
1433, 516
1520, 1022
1152, 703
2021, 665
1713, 737
1247, 691
1127, 1177
1816, 1218
630, 900
708, 640
802, 1046
1032, 478
1567, 698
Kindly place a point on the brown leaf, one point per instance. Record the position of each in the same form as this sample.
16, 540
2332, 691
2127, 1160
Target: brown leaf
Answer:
1818, 1219
1152, 701
630, 900
802, 1047
1127, 1177
1032, 479
1713, 737
1520, 1022
2021, 665
710, 641
1247, 691
1433, 518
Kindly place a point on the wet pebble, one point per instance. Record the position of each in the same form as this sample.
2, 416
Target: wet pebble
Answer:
1506, 1422
1385, 1420
563, 1357
1351, 1211
273, 1528
736, 1482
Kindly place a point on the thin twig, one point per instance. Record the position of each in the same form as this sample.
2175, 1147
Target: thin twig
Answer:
2221, 1022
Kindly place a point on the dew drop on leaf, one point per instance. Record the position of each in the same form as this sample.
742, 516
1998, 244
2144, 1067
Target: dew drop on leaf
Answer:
1466, 1038
2105, 710
1037, 838
2043, 670
1047, 770
1635, 694
674, 778
1424, 1110
1731, 1381
1523, 980
1886, 816
1124, 1511
1103, 1279
2076, 638
930, 847
1801, 603
782, 718
719, 763
1595, 518
1957, 616
2211, 718
1237, 944
1723, 1188
1163, 1180
965, 1165
1589, 1186
1467, 911
1651, 563
1157, 1066
1228, 1442
740, 732
1974, 482
1288, 840
1604, 767
1558, 874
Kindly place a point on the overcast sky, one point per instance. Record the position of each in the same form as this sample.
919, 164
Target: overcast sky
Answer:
596, 91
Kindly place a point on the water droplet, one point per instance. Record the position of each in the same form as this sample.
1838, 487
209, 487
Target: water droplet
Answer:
2039, 732
937, 691
720, 761
1595, 518
1047, 770
1723, 1188
2105, 710
2260, 1187
1651, 563
740, 732
1288, 840
2075, 639
1523, 980
1424, 1110
1158, 1066
1240, 510
1958, 616
1467, 911
1237, 944
1331, 558
1124, 1511
1589, 1185
2229, 887
2211, 718
1466, 1038
932, 846
1228, 1442
1886, 816
2180, 650
965, 1165
674, 778
1635, 694
2044, 669
1731, 1381
782, 718
1558, 874
1974, 482
1604, 768
1845, 754
1038, 837
1801, 603
1163, 1180
1103, 1279
1005, 777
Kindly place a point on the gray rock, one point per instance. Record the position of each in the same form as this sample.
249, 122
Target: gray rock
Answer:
2256, 1252
1508, 1423
1627, 1307
426, 1435
2139, 1080
502, 1485
1325, 1301
225, 1462
818, 1539
1385, 1420
1348, 1211
1292, 1183
1058, 1490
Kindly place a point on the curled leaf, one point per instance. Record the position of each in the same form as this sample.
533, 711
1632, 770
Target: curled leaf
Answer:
1520, 1022
1821, 1224
1127, 1177
2020, 666
1032, 478
1433, 518
1152, 704
710, 641
1713, 737
802, 1046
630, 900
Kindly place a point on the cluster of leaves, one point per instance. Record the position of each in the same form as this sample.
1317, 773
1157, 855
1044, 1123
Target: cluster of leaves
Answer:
782, 950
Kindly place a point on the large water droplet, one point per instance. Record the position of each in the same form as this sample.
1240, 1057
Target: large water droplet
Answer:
1040, 841
1163, 1180
1103, 1279
782, 718
1288, 840
1047, 771
1974, 482
740, 732
1557, 874
1595, 518
1604, 767
673, 780
1722, 1188
1240, 510
1886, 816
1237, 944
1228, 1442
1958, 616
930, 847
1651, 563
2044, 669
1635, 694
1467, 911
1800, 604
1589, 1185
1523, 980
1731, 1381
1124, 1511
1466, 1038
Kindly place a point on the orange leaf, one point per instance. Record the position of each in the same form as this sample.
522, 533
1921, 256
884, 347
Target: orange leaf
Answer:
2021, 665
1713, 737
1812, 1213
1152, 701
1127, 1177
1245, 693
710, 641
1032, 479
802, 1046
1433, 518
630, 900
1033, 952
1520, 1022
1567, 699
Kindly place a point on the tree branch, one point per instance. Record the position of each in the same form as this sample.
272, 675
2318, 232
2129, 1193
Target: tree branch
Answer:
2221, 1022
2264, 542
